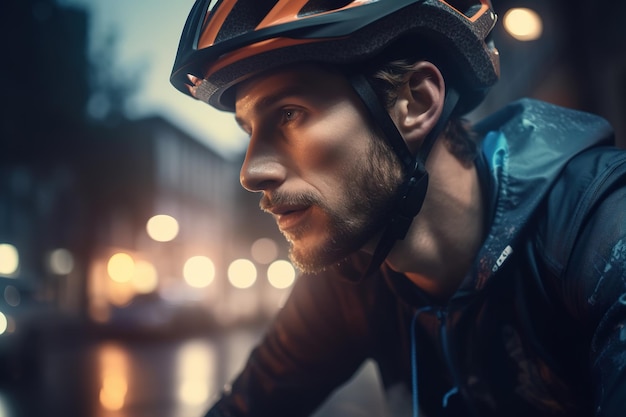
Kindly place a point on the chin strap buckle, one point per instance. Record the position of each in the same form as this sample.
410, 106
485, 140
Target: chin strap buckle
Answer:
410, 200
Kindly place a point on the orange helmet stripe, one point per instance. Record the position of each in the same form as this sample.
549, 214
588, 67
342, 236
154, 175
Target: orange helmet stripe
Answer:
214, 21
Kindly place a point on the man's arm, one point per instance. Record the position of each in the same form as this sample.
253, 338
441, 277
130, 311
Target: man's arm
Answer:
316, 343
596, 285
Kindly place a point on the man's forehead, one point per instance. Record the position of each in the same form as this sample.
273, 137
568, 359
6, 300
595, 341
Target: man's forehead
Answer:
272, 85
270, 81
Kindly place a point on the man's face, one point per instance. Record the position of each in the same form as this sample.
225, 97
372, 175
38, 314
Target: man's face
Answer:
325, 176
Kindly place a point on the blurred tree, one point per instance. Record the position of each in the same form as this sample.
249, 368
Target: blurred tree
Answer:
112, 84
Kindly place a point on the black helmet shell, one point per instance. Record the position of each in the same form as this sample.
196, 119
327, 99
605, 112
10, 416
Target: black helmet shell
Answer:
228, 41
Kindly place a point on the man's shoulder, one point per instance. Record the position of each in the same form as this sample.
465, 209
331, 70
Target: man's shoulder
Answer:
538, 140
545, 161
530, 124
586, 181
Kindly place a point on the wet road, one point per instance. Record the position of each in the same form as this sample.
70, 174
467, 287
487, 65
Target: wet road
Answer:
96, 377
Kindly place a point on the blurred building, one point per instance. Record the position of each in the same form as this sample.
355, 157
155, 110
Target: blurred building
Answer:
79, 240
168, 229
44, 91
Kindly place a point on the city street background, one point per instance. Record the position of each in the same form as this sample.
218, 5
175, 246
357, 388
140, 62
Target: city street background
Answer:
135, 273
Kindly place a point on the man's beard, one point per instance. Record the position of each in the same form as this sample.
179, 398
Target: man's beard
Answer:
369, 199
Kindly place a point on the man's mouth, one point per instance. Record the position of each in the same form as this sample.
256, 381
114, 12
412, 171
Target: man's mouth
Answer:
289, 217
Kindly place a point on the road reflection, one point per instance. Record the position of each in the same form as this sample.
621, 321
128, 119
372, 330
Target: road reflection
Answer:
115, 377
114, 370
125, 377
196, 377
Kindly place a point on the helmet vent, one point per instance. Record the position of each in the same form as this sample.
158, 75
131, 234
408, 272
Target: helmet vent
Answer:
244, 17
467, 7
472, 10
321, 6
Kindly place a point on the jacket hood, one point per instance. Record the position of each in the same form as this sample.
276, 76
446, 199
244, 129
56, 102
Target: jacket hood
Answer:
526, 145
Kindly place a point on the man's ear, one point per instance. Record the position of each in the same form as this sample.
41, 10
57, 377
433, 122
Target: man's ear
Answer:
419, 103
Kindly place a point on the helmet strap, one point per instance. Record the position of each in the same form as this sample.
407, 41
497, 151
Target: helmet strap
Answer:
412, 191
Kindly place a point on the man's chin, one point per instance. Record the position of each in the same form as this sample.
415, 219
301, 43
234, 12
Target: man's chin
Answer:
306, 264
312, 261
314, 252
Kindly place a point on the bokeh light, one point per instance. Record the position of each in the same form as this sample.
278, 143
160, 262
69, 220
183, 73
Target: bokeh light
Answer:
199, 271
195, 366
3, 323
9, 259
281, 274
12, 296
523, 24
264, 250
242, 273
61, 261
121, 267
145, 280
162, 228
114, 370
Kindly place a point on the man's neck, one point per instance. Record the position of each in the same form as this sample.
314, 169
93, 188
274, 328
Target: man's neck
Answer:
444, 238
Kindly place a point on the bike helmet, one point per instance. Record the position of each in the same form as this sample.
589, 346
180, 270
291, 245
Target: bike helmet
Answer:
225, 42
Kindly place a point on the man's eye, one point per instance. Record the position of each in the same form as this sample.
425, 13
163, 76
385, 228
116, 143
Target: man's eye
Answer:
289, 115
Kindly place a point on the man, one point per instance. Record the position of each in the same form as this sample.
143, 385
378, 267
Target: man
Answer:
487, 280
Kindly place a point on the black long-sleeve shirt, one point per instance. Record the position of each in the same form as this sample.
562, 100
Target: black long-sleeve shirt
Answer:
538, 326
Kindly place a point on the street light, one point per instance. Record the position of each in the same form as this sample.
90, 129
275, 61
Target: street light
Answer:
4, 323
199, 271
162, 228
121, 267
242, 273
9, 259
281, 274
523, 24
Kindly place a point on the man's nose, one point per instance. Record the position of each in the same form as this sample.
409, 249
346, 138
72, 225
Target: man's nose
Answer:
262, 168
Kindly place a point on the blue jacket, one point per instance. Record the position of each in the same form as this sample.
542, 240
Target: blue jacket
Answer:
538, 326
